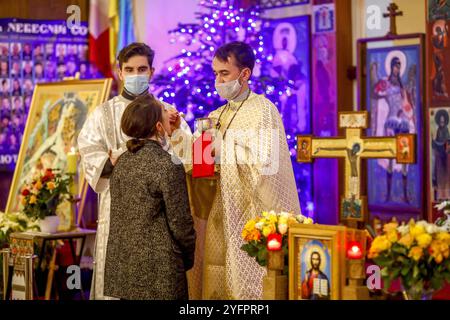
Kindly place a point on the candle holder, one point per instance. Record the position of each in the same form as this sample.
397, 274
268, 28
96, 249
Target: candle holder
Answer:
275, 284
71, 170
355, 265
74, 199
356, 290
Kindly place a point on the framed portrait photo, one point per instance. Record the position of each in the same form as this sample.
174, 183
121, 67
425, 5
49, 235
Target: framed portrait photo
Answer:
316, 257
57, 114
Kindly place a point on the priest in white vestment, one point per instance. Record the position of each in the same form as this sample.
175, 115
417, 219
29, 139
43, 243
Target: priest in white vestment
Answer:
101, 142
256, 175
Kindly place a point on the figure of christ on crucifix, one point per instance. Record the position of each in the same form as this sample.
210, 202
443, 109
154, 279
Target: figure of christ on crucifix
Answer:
353, 156
353, 147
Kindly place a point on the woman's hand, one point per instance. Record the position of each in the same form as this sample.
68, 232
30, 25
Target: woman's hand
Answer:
112, 159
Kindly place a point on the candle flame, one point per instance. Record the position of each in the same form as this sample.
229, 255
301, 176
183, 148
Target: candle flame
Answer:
273, 244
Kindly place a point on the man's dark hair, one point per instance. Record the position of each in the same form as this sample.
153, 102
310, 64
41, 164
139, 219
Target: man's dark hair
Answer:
136, 49
242, 52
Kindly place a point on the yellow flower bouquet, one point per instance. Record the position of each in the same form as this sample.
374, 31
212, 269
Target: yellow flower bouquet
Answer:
269, 232
416, 253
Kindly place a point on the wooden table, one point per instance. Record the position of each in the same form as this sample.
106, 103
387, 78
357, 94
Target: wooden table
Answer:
46, 238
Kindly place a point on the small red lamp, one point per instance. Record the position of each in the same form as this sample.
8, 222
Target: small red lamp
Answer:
274, 242
354, 250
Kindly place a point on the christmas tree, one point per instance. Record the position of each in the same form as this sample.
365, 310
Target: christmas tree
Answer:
187, 80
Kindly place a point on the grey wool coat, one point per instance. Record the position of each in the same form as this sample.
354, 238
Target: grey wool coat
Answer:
151, 241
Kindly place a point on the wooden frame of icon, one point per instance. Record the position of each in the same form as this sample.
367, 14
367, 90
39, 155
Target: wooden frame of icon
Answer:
57, 114
316, 262
391, 86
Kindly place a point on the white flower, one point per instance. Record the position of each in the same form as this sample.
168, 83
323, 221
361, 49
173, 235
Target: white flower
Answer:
259, 225
282, 228
15, 222
422, 223
300, 218
432, 228
403, 229
285, 214
442, 205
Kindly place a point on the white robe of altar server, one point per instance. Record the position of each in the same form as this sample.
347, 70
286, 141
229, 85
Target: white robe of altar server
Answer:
100, 134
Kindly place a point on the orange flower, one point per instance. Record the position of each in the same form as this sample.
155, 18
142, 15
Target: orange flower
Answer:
444, 236
388, 227
51, 185
416, 253
439, 250
38, 185
253, 235
33, 199
392, 235
372, 254
24, 201
406, 240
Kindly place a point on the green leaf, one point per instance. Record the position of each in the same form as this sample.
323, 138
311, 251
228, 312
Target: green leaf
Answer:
395, 273
447, 276
405, 270
250, 249
447, 264
383, 261
385, 272
387, 283
286, 271
436, 282
262, 254
399, 249
416, 271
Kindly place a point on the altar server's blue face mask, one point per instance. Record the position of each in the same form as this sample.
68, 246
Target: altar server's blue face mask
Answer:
137, 83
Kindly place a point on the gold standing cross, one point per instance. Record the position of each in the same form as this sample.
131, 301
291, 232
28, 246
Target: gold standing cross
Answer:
354, 147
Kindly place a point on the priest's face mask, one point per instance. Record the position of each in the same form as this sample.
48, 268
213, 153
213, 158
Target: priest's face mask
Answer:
230, 78
135, 74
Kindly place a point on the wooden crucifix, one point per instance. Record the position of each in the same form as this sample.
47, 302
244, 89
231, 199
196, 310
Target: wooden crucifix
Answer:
392, 14
354, 147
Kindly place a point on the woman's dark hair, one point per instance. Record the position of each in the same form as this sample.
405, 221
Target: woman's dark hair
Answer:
139, 121
242, 52
136, 49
